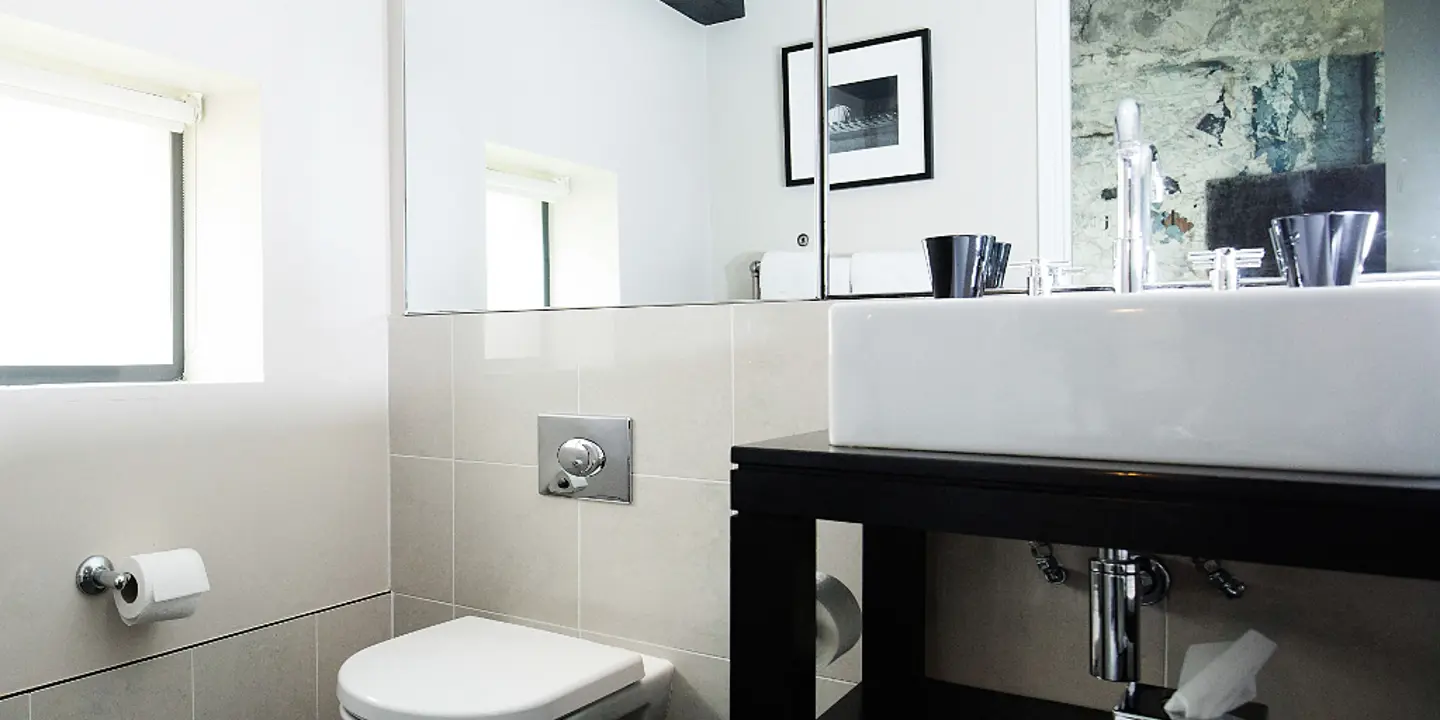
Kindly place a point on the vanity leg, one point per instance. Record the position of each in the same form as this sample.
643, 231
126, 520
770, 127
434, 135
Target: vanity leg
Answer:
772, 617
893, 652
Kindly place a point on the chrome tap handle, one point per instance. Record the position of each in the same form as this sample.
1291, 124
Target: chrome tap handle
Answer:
1042, 276
1049, 565
1225, 263
1220, 578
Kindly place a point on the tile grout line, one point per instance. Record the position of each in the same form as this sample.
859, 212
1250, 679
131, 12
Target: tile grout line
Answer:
1165, 646
458, 461
708, 656
733, 402
316, 699
192, 685
710, 481
458, 608
454, 561
187, 648
579, 542
403, 456
579, 565
520, 620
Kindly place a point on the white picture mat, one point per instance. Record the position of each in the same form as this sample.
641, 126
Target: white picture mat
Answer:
903, 59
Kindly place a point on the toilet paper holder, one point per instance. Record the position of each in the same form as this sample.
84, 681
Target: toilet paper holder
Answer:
97, 574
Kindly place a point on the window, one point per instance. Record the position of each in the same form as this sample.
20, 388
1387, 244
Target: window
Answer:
91, 231
517, 238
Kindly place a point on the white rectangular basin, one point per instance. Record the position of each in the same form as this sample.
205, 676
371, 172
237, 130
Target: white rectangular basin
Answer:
1326, 379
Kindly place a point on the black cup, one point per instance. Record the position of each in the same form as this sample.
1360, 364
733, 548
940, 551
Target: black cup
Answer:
960, 265
996, 263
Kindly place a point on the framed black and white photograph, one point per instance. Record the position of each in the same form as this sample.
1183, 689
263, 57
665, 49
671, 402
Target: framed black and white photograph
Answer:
880, 112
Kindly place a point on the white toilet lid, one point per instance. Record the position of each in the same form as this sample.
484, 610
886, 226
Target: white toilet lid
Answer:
477, 669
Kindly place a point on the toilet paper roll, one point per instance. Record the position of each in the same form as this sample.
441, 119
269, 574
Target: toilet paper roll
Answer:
166, 586
837, 620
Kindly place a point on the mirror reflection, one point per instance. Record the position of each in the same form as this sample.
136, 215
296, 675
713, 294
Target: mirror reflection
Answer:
933, 128
1256, 111
601, 153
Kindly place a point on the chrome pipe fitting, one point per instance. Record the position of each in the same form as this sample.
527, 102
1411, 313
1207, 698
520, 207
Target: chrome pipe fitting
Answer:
1120, 583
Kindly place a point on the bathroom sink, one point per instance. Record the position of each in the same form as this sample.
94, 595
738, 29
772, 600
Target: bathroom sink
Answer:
1328, 379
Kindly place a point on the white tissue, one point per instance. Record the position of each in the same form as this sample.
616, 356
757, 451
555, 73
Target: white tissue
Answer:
1219, 677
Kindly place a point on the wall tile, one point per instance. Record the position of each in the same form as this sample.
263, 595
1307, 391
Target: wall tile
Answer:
515, 551
16, 708
838, 548
413, 614
341, 633
828, 692
659, 570
996, 624
420, 386
268, 673
669, 369
421, 527
154, 690
536, 624
782, 355
700, 689
1349, 645
510, 368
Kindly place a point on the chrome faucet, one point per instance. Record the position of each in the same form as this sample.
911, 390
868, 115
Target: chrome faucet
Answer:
1140, 186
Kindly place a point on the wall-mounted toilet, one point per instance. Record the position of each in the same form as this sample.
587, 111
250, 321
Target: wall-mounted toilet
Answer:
477, 669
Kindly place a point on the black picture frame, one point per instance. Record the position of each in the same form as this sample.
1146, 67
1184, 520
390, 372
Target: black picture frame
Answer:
928, 109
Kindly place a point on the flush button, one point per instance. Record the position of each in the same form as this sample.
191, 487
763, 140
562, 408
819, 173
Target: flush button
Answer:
584, 457
581, 457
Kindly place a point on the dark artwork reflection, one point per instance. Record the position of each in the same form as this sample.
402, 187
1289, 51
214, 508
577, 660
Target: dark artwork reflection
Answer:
1346, 120
865, 115
1241, 208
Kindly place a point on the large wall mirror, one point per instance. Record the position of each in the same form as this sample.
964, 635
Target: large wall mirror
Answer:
1257, 110
640, 152
957, 143
592, 153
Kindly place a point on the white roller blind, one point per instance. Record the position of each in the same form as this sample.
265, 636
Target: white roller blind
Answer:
28, 83
551, 189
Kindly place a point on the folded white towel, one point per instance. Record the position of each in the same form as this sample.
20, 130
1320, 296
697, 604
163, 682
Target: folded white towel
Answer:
889, 273
792, 275
840, 283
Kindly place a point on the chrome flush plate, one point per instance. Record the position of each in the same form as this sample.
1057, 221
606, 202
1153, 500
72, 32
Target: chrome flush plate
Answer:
612, 434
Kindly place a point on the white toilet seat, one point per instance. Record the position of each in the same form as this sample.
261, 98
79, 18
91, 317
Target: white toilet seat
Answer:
477, 669
650, 696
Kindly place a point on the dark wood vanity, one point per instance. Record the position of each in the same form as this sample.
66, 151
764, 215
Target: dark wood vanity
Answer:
1353, 523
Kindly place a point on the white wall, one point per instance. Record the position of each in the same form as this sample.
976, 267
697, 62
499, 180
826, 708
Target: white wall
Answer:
985, 79
751, 210
612, 84
985, 128
280, 484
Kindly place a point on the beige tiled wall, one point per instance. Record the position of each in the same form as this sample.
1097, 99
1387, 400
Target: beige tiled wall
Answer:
282, 671
471, 536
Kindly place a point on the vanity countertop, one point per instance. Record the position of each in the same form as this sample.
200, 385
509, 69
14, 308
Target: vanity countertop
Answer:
1358, 523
